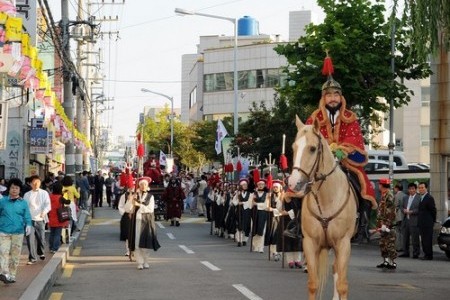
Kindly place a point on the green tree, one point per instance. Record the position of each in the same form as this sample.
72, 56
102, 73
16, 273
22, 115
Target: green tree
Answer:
357, 37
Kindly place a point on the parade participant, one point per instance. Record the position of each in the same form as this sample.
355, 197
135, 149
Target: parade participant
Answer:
142, 235
152, 169
201, 208
39, 204
340, 127
128, 187
15, 218
218, 208
290, 245
385, 223
274, 211
259, 215
173, 195
242, 203
228, 229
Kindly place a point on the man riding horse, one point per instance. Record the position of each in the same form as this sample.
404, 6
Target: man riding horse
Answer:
340, 127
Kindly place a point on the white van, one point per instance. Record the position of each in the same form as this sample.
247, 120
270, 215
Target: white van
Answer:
399, 158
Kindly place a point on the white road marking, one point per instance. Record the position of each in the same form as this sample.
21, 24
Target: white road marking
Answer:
186, 249
160, 225
246, 292
171, 236
210, 266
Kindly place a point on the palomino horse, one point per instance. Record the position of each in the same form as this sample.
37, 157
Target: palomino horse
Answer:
328, 209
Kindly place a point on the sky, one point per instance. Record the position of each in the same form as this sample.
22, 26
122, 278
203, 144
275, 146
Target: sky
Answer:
152, 39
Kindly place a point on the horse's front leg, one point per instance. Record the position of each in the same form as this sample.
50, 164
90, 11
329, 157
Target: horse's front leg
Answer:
312, 258
342, 250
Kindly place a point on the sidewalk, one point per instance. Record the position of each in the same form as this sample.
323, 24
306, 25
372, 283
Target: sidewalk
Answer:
34, 281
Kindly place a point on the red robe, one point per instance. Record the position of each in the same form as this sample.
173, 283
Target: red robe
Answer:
173, 196
348, 137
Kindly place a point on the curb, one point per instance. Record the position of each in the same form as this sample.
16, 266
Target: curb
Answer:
44, 281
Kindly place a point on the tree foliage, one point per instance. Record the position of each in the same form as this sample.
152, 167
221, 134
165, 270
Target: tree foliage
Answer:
358, 39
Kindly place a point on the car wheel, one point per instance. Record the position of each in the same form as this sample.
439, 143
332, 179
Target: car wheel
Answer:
448, 254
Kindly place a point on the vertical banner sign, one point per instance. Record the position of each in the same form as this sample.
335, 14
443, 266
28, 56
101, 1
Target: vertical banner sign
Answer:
38, 137
3, 124
27, 10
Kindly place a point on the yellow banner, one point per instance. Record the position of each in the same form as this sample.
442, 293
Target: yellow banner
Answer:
13, 29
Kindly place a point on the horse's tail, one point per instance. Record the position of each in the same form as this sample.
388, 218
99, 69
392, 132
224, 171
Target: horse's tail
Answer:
323, 271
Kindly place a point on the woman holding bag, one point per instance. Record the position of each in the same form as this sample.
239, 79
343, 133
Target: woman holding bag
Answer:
55, 225
71, 193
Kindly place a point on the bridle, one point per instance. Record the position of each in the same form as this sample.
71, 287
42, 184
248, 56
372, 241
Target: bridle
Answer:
313, 175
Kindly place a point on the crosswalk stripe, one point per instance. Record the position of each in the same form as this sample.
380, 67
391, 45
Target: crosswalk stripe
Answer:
160, 225
171, 236
186, 249
246, 292
210, 266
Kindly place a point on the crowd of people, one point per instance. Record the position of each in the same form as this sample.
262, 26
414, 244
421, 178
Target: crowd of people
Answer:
28, 209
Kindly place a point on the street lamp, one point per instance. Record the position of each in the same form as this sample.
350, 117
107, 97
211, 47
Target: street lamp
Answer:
184, 12
171, 115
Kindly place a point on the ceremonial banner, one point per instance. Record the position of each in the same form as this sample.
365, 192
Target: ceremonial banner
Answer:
221, 132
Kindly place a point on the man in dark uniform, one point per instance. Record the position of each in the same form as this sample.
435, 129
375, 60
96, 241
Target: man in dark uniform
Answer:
426, 220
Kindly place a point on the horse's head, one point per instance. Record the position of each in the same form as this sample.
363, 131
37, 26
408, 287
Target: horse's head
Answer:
307, 149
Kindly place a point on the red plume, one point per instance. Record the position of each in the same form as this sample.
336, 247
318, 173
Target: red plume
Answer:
269, 181
256, 175
239, 166
327, 68
283, 162
140, 150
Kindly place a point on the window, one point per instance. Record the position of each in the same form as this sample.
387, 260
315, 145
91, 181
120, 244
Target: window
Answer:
193, 97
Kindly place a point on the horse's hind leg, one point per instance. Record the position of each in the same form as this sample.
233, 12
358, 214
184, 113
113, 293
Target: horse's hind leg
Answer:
340, 268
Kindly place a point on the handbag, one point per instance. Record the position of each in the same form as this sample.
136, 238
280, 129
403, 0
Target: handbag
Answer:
293, 228
64, 212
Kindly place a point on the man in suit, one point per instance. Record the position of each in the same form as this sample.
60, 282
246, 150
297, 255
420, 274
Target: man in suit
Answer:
426, 220
409, 223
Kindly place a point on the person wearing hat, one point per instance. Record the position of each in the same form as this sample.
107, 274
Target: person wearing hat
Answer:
340, 127
242, 201
173, 196
274, 211
385, 223
259, 215
143, 230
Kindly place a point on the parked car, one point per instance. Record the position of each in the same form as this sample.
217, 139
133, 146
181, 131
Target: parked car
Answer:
418, 166
378, 164
398, 156
444, 237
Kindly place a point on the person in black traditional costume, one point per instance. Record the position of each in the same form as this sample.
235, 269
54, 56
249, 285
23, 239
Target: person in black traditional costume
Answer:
274, 213
173, 195
259, 215
142, 236
242, 203
291, 246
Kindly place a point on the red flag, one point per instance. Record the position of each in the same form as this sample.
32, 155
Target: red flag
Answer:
269, 181
256, 175
140, 150
283, 162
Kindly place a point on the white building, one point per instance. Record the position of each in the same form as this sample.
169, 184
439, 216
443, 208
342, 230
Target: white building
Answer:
207, 77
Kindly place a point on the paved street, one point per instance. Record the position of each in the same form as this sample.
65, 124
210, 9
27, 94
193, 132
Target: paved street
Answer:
192, 264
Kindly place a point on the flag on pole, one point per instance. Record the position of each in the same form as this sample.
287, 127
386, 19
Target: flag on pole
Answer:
162, 158
221, 132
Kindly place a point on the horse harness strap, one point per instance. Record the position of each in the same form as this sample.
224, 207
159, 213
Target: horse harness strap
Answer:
325, 221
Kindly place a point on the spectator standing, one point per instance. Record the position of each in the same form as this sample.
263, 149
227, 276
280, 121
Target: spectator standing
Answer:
109, 183
117, 190
426, 220
409, 225
27, 186
84, 191
53, 222
39, 204
70, 193
14, 217
399, 195
99, 182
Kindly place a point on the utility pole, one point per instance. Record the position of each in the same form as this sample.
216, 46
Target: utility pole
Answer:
81, 120
67, 90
